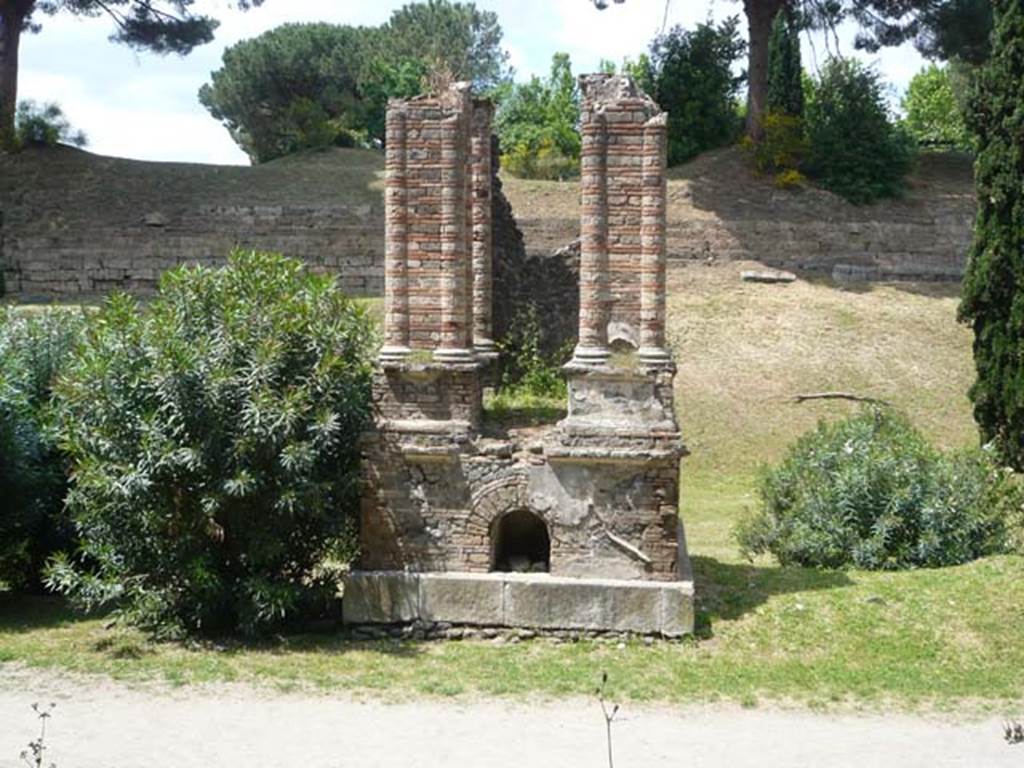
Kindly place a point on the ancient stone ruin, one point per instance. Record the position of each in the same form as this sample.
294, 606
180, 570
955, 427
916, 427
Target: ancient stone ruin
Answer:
570, 526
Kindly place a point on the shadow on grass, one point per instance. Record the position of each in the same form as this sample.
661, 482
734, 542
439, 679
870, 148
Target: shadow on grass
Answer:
934, 289
728, 591
26, 613
20, 613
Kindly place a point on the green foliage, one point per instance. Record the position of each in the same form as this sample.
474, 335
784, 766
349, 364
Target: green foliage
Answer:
933, 111
213, 436
531, 382
785, 71
46, 125
33, 351
993, 292
456, 36
536, 124
856, 150
300, 86
524, 365
141, 24
781, 150
870, 492
303, 86
692, 74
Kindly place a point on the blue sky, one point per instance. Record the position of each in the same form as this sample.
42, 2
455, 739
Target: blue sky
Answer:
145, 106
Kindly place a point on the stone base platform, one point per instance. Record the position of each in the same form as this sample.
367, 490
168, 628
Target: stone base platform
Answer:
527, 600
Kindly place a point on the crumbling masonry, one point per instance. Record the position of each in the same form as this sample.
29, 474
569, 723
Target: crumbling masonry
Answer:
572, 526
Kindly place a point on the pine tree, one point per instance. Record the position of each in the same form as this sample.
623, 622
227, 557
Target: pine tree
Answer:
993, 295
785, 89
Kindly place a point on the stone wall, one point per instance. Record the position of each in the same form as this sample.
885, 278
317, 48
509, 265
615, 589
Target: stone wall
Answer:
718, 212
74, 224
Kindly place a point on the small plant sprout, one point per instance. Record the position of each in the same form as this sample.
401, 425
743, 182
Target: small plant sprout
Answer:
1013, 732
35, 755
609, 715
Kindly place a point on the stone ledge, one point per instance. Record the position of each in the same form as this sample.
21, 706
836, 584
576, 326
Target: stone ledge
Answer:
532, 600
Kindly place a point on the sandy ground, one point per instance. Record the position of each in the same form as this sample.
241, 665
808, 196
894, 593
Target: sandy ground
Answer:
110, 724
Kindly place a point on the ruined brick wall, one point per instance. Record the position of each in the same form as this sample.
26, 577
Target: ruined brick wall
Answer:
437, 512
76, 224
73, 224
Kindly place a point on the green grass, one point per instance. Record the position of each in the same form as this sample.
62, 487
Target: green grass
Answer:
520, 406
924, 639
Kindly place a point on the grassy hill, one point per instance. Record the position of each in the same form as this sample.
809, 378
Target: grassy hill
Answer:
945, 638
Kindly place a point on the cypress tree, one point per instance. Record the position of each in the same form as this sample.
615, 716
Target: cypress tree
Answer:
993, 293
785, 89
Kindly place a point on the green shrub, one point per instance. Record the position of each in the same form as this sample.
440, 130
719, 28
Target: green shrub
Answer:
694, 81
781, 150
213, 434
46, 125
870, 492
536, 123
856, 150
934, 116
33, 476
544, 161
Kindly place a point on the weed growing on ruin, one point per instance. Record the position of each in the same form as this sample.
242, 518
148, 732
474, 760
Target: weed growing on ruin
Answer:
35, 755
531, 382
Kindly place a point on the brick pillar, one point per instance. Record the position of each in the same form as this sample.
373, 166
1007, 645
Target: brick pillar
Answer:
652, 244
455, 312
480, 172
592, 348
396, 281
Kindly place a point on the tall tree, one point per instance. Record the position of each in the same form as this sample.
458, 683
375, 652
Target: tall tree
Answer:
785, 70
760, 15
458, 36
940, 29
161, 26
993, 293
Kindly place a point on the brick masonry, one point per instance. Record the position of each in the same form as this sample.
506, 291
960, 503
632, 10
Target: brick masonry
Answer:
440, 484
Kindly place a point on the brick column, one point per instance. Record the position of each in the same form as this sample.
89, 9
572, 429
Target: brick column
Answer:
455, 330
652, 244
396, 281
592, 348
480, 172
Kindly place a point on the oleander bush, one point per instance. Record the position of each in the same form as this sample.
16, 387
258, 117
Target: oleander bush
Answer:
213, 440
870, 492
33, 477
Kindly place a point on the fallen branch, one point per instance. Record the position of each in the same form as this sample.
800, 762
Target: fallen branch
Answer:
838, 396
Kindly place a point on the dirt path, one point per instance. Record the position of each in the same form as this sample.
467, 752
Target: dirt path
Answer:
112, 725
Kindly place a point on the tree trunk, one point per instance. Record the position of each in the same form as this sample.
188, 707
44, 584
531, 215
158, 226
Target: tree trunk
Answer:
760, 14
11, 21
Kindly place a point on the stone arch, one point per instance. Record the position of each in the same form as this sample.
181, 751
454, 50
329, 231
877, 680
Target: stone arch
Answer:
520, 542
497, 499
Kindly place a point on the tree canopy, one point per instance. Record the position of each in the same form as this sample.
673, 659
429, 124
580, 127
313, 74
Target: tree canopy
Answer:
941, 29
694, 82
536, 123
167, 26
310, 85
